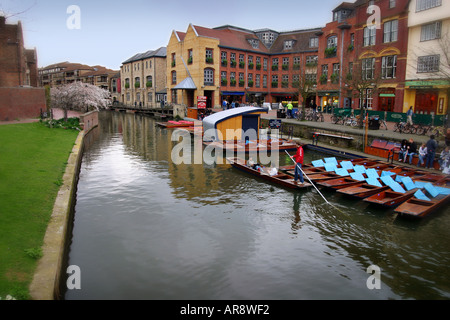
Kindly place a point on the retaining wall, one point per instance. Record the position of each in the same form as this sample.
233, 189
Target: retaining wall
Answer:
21, 103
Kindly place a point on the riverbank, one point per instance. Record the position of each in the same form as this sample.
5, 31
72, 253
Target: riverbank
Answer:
32, 165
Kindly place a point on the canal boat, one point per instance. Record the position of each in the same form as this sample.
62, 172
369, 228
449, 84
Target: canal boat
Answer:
251, 146
282, 179
176, 124
339, 183
424, 203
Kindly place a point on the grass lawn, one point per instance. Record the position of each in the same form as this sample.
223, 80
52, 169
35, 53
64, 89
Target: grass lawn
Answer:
32, 162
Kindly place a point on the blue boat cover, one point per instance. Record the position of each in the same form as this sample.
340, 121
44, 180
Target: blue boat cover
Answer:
373, 182
431, 190
357, 176
421, 196
348, 165
331, 160
318, 163
408, 183
342, 172
443, 190
359, 168
387, 173
372, 173
395, 186
330, 167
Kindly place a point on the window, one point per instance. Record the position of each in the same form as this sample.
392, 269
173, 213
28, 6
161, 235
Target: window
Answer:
223, 78
388, 67
150, 97
392, 3
264, 81
173, 60
149, 82
190, 56
431, 31
285, 81
274, 81
265, 63
390, 31
288, 44
368, 68
223, 55
209, 77
332, 42
428, 63
257, 80
369, 36
250, 79
367, 99
427, 4
314, 42
209, 55
174, 77
254, 43
325, 70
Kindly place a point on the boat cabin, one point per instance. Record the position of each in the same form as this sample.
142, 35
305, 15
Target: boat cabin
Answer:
233, 124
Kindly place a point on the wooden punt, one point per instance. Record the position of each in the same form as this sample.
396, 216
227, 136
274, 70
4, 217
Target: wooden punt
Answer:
284, 180
389, 198
362, 191
176, 124
340, 183
252, 145
414, 207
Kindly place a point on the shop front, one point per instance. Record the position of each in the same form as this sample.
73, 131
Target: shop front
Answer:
427, 97
328, 100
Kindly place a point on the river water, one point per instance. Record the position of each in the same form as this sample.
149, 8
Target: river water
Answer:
146, 228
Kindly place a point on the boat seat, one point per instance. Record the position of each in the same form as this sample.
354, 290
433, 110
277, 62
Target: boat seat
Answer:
421, 196
373, 182
318, 164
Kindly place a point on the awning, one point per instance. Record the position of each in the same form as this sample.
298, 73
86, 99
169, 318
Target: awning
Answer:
186, 84
233, 93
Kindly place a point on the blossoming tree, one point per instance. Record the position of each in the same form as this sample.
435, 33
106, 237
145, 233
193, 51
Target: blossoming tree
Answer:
79, 96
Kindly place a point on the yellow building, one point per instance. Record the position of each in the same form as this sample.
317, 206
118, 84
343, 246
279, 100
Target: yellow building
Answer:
193, 64
428, 72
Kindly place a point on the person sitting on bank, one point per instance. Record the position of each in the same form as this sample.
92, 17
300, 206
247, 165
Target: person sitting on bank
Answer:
422, 154
403, 151
412, 150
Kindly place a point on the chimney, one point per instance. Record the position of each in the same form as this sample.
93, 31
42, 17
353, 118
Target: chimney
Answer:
2, 21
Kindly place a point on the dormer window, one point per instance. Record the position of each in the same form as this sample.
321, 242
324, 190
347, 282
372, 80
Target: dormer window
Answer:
288, 44
254, 43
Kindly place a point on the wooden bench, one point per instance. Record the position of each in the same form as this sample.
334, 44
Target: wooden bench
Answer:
383, 149
316, 135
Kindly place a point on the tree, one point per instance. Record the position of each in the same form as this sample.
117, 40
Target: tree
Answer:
79, 96
362, 83
306, 85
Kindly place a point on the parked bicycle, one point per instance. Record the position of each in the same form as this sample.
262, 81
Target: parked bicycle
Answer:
403, 127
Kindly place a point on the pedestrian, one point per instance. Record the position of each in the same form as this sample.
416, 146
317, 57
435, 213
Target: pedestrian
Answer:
225, 104
298, 159
422, 154
233, 104
409, 116
431, 151
412, 149
290, 107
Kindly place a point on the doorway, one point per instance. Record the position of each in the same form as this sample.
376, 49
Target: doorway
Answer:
426, 102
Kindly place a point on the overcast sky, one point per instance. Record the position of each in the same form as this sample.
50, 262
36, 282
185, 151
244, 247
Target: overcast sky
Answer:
112, 31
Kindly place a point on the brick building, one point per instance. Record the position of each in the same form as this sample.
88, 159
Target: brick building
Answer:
59, 74
336, 58
143, 79
18, 66
236, 64
19, 97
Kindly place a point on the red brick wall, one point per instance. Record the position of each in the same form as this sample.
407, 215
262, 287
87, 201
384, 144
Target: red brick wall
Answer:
21, 103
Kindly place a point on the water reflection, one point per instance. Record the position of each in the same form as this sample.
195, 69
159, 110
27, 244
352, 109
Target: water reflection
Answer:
146, 228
